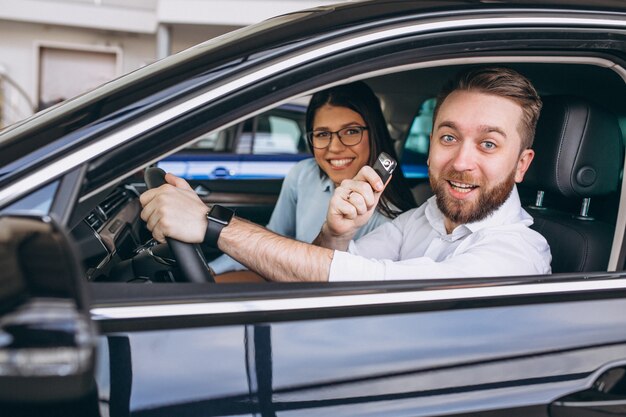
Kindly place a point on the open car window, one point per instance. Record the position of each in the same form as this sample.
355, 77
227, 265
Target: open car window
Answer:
116, 258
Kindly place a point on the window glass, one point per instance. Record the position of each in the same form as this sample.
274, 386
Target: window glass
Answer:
208, 142
37, 203
219, 141
419, 134
265, 146
277, 135
415, 151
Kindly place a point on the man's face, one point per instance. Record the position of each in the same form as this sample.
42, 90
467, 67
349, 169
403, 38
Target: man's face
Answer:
475, 158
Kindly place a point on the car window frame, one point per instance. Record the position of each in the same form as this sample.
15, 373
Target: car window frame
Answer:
382, 285
539, 58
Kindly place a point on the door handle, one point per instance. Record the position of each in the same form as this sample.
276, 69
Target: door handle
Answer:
606, 397
221, 172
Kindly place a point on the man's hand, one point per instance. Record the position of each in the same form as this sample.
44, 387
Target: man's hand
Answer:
351, 206
174, 210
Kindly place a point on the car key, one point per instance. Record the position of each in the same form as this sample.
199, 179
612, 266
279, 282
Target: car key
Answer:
384, 166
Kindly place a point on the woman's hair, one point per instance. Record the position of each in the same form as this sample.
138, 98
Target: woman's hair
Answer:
360, 98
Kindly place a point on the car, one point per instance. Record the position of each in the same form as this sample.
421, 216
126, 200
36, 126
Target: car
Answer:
97, 320
265, 146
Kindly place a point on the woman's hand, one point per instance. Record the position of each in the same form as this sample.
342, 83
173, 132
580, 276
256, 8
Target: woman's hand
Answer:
351, 207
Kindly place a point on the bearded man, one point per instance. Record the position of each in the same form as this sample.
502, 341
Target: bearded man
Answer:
474, 225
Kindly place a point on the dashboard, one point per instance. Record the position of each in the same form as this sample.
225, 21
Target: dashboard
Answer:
115, 245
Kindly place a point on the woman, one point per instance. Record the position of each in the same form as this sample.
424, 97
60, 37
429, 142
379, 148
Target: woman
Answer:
346, 130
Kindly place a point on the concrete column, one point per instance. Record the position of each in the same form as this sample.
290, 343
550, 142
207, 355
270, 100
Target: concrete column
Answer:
163, 41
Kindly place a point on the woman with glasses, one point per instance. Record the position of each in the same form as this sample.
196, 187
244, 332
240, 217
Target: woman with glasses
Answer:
345, 130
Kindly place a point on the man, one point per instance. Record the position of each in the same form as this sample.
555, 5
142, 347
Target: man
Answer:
483, 128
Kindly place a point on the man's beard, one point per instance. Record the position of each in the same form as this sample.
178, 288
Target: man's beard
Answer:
465, 211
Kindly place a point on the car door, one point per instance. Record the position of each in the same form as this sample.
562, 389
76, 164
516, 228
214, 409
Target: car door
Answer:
242, 166
444, 347
446, 350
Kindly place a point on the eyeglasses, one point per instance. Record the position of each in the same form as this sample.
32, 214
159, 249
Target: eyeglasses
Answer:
348, 136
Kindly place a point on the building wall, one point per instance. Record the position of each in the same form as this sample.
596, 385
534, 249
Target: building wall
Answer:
185, 36
19, 45
133, 28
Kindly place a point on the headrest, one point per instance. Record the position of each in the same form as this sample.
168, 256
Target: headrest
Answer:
578, 149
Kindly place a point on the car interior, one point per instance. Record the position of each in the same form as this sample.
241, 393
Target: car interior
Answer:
572, 189
571, 164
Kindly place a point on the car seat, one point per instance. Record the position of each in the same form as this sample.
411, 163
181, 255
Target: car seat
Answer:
578, 156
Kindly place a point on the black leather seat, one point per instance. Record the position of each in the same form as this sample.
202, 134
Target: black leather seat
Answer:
578, 155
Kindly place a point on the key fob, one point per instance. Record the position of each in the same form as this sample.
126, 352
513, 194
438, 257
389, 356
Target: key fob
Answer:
384, 166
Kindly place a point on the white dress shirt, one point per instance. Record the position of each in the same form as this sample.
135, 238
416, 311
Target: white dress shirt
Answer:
416, 245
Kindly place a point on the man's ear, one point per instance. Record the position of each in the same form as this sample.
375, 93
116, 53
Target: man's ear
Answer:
523, 163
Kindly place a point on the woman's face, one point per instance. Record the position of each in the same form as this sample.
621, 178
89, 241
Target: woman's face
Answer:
338, 161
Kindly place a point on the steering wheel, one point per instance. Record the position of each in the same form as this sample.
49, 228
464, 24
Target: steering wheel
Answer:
189, 256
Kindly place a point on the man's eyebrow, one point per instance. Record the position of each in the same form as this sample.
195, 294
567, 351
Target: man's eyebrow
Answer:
447, 123
483, 128
489, 129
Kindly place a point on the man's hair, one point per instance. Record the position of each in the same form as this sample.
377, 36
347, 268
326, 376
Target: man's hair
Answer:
501, 82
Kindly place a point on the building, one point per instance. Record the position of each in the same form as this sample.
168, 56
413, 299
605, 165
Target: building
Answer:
52, 50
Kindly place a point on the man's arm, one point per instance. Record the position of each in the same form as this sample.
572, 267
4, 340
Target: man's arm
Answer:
176, 211
273, 256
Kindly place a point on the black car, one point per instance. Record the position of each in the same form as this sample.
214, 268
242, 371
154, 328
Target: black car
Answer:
98, 320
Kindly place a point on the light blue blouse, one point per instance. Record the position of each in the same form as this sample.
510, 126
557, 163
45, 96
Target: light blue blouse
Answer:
300, 210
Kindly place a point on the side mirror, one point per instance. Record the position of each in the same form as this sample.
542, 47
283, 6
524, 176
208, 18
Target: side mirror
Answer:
47, 340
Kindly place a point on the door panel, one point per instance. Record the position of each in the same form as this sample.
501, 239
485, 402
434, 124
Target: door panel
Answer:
507, 360
251, 199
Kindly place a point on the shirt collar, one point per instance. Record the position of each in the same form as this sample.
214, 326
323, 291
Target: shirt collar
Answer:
509, 212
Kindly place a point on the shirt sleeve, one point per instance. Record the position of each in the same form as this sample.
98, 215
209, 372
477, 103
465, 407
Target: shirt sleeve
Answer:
382, 239
492, 255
